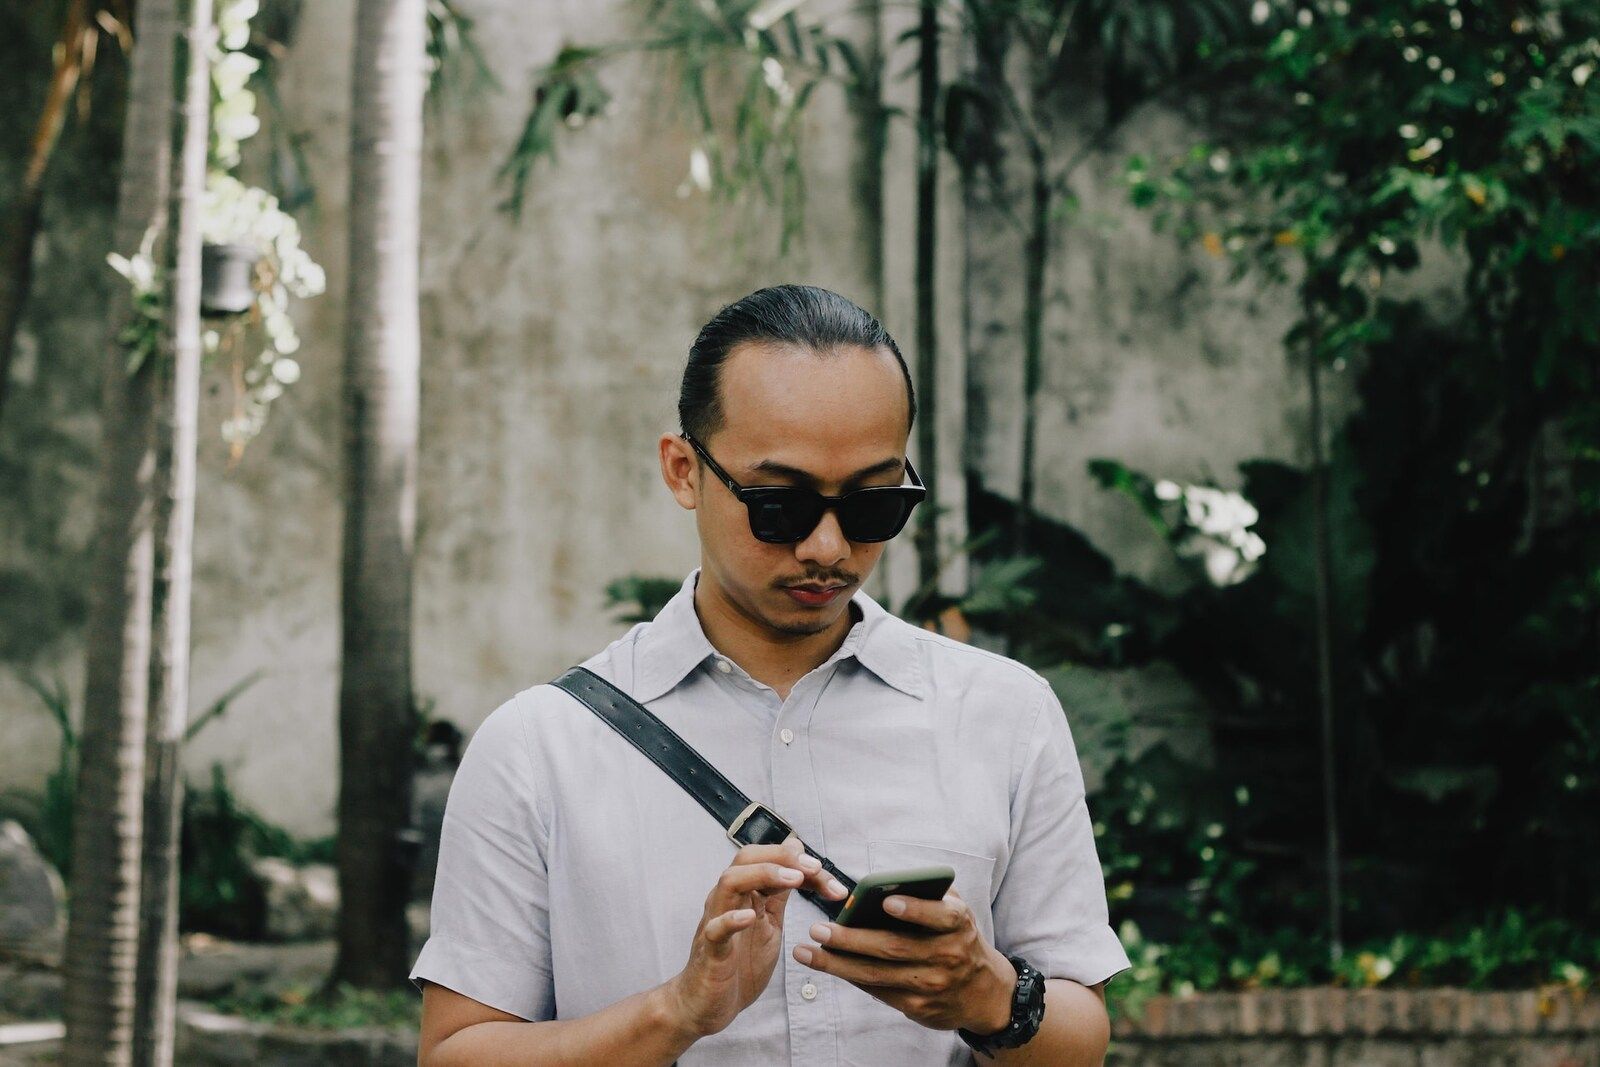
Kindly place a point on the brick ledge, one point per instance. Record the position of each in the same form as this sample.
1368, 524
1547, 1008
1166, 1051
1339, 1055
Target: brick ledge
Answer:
1330, 1010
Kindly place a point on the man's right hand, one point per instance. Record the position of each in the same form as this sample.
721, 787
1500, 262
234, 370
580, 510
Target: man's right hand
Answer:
741, 930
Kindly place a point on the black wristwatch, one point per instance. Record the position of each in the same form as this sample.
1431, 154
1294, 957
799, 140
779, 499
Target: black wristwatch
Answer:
1027, 1012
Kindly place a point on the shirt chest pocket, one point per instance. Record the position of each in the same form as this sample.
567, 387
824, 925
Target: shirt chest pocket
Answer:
974, 873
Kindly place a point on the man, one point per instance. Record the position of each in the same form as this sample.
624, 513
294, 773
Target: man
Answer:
572, 922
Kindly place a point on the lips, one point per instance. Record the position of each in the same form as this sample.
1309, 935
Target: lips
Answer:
814, 596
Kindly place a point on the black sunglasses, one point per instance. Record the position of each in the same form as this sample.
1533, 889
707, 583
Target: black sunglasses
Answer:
784, 514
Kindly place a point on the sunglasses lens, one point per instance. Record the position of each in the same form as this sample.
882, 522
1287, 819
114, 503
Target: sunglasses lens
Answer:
876, 514
782, 516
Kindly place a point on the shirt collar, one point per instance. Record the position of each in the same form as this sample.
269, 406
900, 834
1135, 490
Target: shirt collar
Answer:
673, 644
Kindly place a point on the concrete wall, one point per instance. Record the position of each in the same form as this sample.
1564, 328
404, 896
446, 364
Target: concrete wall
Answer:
552, 349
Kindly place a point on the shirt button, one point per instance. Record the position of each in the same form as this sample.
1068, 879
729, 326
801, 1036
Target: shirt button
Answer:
786, 735
808, 991
723, 666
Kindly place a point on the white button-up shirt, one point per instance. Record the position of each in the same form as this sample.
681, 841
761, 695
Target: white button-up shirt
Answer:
573, 872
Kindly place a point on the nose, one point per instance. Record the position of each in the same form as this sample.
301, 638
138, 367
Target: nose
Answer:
826, 546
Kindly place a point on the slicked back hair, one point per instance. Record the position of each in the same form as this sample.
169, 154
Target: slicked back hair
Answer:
819, 319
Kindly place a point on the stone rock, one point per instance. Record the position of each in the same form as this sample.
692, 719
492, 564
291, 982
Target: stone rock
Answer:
29, 991
32, 899
302, 902
206, 1038
430, 790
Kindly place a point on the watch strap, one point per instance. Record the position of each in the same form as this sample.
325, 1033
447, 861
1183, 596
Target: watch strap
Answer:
1027, 1012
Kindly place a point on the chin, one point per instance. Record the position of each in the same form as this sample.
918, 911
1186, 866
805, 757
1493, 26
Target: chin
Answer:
799, 622
802, 627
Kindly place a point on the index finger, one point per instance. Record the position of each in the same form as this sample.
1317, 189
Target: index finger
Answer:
791, 853
945, 915
788, 852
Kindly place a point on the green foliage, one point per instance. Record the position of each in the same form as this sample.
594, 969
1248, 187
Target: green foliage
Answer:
141, 336
49, 822
567, 92
640, 597
1462, 743
1505, 950
1183, 878
1381, 127
454, 58
1381, 137
347, 1008
217, 891
743, 71
219, 836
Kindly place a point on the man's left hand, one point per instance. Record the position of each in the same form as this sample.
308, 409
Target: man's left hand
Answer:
943, 978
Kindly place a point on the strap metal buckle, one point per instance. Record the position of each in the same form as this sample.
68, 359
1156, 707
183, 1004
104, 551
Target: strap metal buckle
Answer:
744, 816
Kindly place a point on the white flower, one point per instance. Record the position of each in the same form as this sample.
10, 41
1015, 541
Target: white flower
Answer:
313, 279
700, 168
1425, 149
286, 371
237, 127
140, 270
772, 73
285, 342
1260, 11
768, 13
1218, 533
232, 72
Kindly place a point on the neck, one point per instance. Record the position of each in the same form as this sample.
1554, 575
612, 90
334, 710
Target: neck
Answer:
770, 657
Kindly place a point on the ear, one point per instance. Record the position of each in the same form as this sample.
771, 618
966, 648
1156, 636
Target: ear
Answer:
678, 469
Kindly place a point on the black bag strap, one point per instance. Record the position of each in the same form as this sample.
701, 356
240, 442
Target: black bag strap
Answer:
743, 820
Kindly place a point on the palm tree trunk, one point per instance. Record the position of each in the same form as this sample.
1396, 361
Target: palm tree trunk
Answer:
872, 142
102, 928
376, 707
1324, 631
872, 145
156, 984
927, 296
1037, 261
21, 223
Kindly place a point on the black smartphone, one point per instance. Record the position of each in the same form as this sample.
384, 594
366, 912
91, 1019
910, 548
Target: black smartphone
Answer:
863, 908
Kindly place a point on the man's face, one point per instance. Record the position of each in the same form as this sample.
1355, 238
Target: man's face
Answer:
832, 422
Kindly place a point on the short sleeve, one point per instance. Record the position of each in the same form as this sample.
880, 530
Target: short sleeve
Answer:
1051, 904
489, 933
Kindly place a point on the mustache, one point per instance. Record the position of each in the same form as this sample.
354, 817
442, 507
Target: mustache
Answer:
826, 578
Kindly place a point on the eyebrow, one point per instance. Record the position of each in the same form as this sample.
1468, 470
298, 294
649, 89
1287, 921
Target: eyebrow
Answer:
783, 470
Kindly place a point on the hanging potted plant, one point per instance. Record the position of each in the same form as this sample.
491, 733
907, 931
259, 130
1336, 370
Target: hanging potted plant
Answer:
258, 265
226, 272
